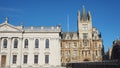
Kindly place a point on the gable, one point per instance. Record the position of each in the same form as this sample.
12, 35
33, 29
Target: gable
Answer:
9, 28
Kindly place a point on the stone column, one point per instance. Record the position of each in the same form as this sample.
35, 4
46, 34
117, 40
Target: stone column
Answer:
31, 47
20, 46
9, 55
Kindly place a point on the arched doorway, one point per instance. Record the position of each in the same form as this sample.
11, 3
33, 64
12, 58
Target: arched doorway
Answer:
86, 60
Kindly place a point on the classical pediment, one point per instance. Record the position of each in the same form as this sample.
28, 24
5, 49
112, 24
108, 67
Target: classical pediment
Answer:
5, 27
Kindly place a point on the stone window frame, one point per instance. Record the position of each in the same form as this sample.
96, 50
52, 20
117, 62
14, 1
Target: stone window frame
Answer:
5, 42
36, 59
47, 43
36, 43
14, 59
26, 43
25, 59
15, 45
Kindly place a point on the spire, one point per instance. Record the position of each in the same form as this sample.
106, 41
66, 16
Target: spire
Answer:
84, 17
6, 20
78, 16
89, 16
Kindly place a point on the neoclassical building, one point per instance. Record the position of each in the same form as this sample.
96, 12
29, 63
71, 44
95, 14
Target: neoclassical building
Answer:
29, 47
85, 44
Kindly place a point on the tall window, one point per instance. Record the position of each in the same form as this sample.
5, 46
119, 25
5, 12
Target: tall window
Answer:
75, 54
35, 59
26, 43
85, 35
5, 43
95, 44
74, 45
14, 59
84, 27
36, 43
25, 59
67, 53
67, 45
47, 43
85, 43
15, 43
96, 53
46, 59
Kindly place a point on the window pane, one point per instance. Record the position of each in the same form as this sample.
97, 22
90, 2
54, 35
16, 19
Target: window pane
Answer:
85, 35
15, 43
46, 59
14, 59
26, 43
5, 43
25, 59
74, 45
84, 27
36, 43
47, 43
36, 59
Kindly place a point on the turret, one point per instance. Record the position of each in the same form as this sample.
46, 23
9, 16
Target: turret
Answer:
78, 16
89, 16
84, 16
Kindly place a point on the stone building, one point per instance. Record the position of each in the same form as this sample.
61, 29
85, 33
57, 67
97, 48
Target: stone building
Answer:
29, 47
85, 44
115, 53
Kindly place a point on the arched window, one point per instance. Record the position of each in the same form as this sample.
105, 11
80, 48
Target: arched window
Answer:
15, 43
5, 43
26, 43
47, 43
36, 43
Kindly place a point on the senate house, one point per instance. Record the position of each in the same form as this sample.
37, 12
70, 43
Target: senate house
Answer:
49, 47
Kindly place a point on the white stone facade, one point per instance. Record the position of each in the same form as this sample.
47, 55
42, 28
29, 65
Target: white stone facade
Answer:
46, 52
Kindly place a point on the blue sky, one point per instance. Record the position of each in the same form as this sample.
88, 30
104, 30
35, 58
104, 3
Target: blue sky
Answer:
105, 14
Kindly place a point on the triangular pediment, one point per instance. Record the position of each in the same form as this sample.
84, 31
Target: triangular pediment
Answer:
5, 27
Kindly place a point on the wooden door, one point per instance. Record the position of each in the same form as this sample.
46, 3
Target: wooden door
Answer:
3, 60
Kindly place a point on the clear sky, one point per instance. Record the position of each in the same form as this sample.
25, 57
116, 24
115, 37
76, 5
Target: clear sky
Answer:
105, 14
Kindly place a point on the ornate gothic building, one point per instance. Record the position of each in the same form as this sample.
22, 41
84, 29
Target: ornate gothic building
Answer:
85, 44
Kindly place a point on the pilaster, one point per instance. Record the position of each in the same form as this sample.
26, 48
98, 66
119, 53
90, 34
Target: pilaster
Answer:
9, 55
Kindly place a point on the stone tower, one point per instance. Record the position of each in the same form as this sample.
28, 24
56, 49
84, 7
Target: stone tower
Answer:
83, 45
